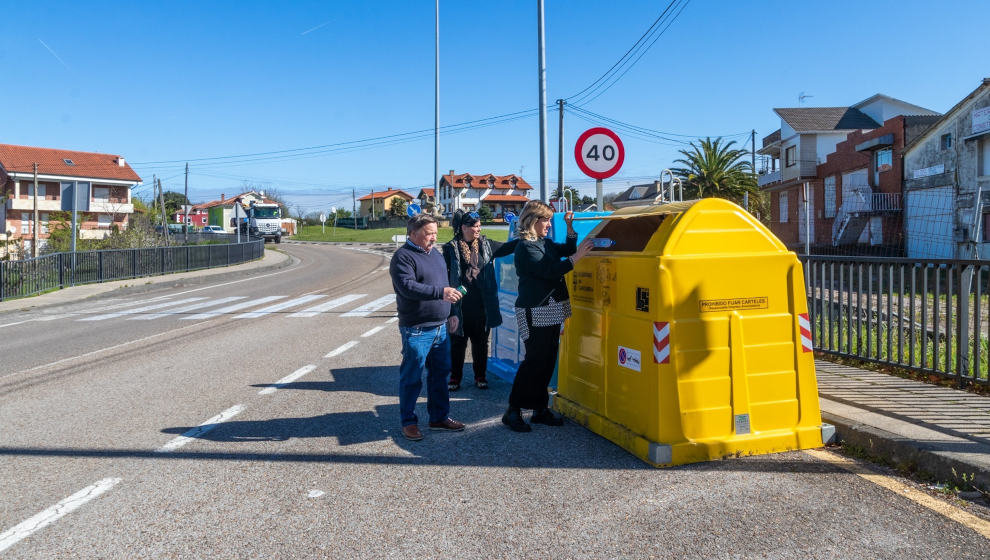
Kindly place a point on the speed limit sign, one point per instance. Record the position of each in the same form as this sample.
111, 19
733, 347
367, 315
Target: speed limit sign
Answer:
599, 153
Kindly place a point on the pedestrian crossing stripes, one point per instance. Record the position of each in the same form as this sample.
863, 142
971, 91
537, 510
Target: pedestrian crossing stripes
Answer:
327, 306
140, 309
231, 308
369, 308
278, 307
244, 307
193, 307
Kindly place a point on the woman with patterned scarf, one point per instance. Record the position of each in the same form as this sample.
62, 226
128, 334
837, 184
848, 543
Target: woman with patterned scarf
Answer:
469, 259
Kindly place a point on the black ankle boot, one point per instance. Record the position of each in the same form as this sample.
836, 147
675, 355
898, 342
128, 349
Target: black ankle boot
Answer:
545, 416
513, 419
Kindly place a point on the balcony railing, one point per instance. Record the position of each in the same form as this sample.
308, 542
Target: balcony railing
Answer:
766, 178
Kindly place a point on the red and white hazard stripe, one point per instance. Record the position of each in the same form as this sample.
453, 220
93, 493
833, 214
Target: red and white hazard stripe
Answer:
805, 324
661, 342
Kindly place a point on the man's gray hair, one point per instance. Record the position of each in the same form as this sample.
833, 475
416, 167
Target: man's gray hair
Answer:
419, 221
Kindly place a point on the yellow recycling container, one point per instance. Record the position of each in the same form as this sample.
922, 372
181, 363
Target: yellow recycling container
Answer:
690, 338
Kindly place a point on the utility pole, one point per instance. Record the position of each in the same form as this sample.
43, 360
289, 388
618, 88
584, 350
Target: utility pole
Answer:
543, 104
34, 243
560, 149
354, 211
752, 160
807, 219
436, 95
185, 214
161, 201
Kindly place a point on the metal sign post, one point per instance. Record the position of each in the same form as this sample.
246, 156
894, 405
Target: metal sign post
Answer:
239, 214
323, 222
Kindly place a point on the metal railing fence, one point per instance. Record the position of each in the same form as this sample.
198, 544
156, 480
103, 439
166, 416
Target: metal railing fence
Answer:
929, 316
33, 276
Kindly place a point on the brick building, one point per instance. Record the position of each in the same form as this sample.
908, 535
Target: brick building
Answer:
806, 137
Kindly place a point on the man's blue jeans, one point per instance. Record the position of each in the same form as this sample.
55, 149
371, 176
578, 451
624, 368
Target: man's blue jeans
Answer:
424, 348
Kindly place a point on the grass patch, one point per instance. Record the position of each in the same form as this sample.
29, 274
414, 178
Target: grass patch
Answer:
316, 233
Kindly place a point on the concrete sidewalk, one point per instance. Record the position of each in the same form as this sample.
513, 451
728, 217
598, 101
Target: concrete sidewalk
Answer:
932, 429
273, 260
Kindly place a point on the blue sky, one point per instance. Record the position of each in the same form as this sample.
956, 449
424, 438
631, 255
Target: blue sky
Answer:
177, 81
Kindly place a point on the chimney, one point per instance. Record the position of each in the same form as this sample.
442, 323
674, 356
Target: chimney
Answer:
222, 197
119, 160
451, 172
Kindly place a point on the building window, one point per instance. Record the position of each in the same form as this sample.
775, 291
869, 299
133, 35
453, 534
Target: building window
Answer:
101, 194
946, 141
104, 220
44, 222
25, 223
68, 161
789, 156
783, 206
885, 160
41, 190
830, 196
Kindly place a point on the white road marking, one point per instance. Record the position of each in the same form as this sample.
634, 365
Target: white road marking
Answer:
231, 308
41, 520
140, 309
287, 379
279, 307
371, 307
327, 306
372, 331
392, 320
198, 305
17, 323
315, 493
343, 348
201, 429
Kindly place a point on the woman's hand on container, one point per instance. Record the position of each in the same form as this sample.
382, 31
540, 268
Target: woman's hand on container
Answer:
569, 220
582, 249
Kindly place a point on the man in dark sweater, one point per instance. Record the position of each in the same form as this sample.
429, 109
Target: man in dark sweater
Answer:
423, 298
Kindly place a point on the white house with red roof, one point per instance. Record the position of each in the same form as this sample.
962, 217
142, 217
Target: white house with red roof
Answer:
501, 193
102, 185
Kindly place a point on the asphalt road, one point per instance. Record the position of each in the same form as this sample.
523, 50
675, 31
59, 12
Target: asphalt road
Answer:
137, 427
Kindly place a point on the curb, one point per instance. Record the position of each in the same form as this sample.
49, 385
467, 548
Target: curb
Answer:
909, 454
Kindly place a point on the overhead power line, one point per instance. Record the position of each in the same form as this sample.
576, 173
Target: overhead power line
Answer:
349, 144
631, 56
643, 132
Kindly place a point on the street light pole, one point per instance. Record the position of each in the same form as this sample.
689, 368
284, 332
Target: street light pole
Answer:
436, 95
543, 105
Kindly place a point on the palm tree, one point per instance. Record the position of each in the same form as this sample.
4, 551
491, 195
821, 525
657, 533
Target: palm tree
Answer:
716, 169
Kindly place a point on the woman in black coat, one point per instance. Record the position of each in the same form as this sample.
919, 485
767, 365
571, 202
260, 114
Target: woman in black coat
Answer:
469, 259
541, 307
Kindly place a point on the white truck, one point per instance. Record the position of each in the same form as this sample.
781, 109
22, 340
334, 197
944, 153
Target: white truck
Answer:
264, 219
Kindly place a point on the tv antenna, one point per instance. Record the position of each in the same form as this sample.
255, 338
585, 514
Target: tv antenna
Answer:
802, 96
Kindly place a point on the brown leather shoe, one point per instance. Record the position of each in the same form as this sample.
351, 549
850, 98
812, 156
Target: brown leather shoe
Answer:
412, 433
448, 425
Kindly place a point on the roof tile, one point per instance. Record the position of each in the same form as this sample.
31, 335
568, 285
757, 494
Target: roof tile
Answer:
51, 161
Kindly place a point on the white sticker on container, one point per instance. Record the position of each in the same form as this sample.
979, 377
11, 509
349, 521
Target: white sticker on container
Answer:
629, 358
742, 424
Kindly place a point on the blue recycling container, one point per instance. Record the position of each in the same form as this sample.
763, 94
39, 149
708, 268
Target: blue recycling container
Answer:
507, 350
